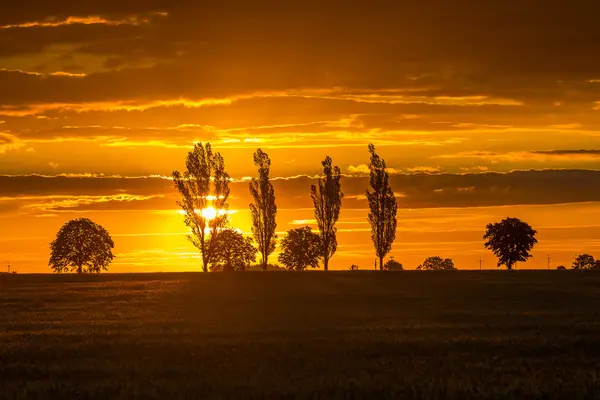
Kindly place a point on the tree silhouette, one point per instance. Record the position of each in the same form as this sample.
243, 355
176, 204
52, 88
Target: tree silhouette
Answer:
382, 206
393, 265
81, 245
204, 184
511, 240
232, 252
264, 209
584, 261
327, 200
561, 267
353, 267
437, 264
300, 249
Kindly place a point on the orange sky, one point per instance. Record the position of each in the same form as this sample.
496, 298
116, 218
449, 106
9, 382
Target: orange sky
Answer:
482, 111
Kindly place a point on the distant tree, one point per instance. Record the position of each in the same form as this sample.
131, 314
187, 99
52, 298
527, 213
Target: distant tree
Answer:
353, 267
511, 240
382, 207
437, 264
300, 249
584, 261
561, 267
264, 209
393, 265
327, 199
270, 267
204, 184
81, 245
232, 252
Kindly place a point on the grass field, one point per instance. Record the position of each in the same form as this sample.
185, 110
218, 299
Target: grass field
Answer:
478, 334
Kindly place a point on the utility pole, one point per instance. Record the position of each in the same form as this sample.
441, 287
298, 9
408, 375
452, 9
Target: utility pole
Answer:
9, 267
480, 262
548, 258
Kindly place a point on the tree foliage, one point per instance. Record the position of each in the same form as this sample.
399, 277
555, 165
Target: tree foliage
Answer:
437, 263
232, 252
382, 207
300, 249
264, 209
584, 261
204, 184
327, 200
393, 265
81, 245
511, 240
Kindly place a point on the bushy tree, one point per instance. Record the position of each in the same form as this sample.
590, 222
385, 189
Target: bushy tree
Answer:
393, 265
437, 264
204, 184
327, 200
300, 249
264, 209
561, 267
382, 207
83, 246
232, 252
353, 267
584, 261
511, 240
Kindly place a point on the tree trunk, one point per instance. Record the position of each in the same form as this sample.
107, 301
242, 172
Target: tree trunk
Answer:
325, 263
264, 262
381, 263
80, 269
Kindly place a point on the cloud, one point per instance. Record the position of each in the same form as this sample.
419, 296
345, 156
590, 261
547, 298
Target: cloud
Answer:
49, 194
85, 20
9, 142
520, 156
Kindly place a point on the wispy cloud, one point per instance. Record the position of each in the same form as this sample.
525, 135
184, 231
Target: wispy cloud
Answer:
87, 20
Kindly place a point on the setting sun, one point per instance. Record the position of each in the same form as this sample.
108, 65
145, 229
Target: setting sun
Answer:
209, 213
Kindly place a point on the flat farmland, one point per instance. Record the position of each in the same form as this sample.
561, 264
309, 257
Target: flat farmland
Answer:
465, 334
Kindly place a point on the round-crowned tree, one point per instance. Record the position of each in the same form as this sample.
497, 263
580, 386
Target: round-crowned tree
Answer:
511, 240
300, 249
81, 245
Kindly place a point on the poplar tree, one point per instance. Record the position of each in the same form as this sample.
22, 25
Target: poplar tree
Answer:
382, 207
327, 200
263, 209
204, 184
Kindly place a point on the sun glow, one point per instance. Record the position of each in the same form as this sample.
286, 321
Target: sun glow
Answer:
209, 213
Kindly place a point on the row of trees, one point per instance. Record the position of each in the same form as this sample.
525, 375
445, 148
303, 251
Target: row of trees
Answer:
205, 183
204, 186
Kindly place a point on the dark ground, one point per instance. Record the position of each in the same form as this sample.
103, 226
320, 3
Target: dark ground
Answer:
478, 334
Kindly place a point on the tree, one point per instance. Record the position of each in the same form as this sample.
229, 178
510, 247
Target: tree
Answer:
382, 207
232, 252
203, 186
584, 261
300, 249
511, 240
561, 267
393, 265
437, 264
353, 267
264, 209
81, 245
327, 200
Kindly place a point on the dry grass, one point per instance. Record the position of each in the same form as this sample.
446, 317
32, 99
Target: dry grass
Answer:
329, 335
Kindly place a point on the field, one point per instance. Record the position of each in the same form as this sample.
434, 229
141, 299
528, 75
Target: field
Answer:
477, 334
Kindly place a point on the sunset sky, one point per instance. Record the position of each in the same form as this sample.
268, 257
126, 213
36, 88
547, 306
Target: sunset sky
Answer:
482, 110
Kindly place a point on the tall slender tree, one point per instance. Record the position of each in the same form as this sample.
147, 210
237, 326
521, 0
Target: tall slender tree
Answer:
264, 209
382, 207
327, 199
203, 185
